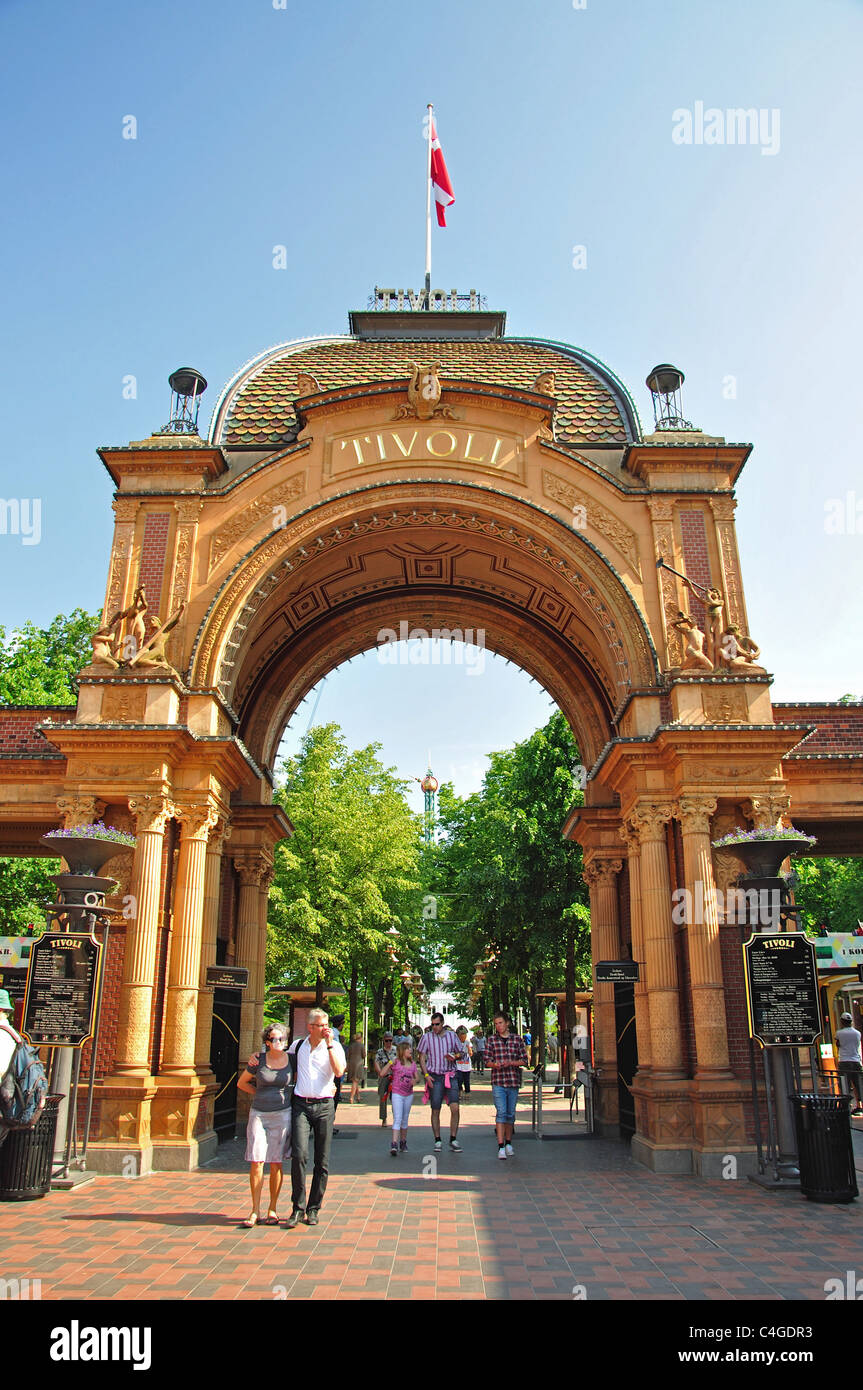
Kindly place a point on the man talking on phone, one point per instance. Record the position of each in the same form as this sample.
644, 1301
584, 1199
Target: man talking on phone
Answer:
319, 1060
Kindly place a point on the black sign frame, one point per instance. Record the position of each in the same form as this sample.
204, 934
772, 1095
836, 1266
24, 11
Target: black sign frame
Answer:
617, 972
796, 953
227, 976
82, 1007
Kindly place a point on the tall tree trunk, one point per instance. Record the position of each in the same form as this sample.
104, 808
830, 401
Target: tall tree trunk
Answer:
495, 997
388, 1003
319, 991
538, 1027
483, 1013
378, 1000
569, 1009
352, 1000
504, 994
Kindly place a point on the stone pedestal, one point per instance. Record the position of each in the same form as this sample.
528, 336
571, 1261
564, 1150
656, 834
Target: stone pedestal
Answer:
125, 1145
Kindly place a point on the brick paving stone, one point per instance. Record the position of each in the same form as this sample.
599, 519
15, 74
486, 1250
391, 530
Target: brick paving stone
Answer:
565, 1214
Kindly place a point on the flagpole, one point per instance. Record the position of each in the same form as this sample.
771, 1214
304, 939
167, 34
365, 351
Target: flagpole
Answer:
428, 208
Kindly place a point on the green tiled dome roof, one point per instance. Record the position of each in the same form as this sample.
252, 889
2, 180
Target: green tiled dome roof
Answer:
256, 409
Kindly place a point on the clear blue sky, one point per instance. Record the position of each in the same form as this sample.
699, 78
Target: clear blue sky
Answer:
303, 126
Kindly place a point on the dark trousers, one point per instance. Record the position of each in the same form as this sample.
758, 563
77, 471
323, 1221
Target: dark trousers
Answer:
310, 1118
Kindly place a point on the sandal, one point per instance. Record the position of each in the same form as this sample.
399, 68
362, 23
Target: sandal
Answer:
271, 1219
250, 1223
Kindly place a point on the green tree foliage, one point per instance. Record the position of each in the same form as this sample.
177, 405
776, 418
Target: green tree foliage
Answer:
507, 879
830, 892
349, 872
25, 884
38, 666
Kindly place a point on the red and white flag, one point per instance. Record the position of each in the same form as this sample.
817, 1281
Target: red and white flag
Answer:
441, 186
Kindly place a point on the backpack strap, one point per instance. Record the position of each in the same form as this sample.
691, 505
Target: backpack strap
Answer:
18, 1040
293, 1058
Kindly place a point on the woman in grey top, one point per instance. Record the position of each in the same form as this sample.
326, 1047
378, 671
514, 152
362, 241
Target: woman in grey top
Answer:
268, 1133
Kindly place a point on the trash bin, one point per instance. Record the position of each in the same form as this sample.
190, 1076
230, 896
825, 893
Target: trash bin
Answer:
824, 1146
26, 1157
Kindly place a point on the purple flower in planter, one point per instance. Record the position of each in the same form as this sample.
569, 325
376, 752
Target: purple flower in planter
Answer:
98, 831
763, 832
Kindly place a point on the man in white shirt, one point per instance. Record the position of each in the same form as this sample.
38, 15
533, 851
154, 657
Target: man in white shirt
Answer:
319, 1060
850, 1064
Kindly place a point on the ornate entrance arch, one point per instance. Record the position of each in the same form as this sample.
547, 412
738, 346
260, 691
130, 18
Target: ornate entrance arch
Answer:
426, 471
445, 556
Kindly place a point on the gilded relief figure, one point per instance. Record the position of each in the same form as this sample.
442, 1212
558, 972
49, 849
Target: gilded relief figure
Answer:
424, 395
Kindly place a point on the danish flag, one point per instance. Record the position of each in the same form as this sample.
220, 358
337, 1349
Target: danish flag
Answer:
441, 186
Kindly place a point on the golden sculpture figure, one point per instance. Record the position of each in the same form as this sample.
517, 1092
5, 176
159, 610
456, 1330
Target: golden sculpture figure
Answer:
424, 395
738, 650
153, 652
693, 653
102, 641
713, 601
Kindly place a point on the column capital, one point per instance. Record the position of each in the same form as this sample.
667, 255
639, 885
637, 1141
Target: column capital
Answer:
251, 868
768, 808
80, 810
649, 818
196, 819
629, 836
189, 510
219, 835
695, 812
602, 871
151, 812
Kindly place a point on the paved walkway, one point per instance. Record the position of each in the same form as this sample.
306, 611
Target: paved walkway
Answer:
565, 1218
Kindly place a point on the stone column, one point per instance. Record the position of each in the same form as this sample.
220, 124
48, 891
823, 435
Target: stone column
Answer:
260, 979
252, 869
212, 902
139, 965
601, 877
702, 925
666, 1043
184, 967
642, 1003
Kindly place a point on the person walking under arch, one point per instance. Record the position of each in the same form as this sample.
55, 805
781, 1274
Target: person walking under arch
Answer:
319, 1060
385, 1054
403, 1070
505, 1054
463, 1065
437, 1053
850, 1065
268, 1132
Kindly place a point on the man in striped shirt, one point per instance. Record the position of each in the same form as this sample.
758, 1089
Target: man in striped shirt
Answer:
437, 1053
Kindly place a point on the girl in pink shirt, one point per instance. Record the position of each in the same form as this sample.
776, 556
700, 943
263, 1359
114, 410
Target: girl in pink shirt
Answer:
403, 1070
